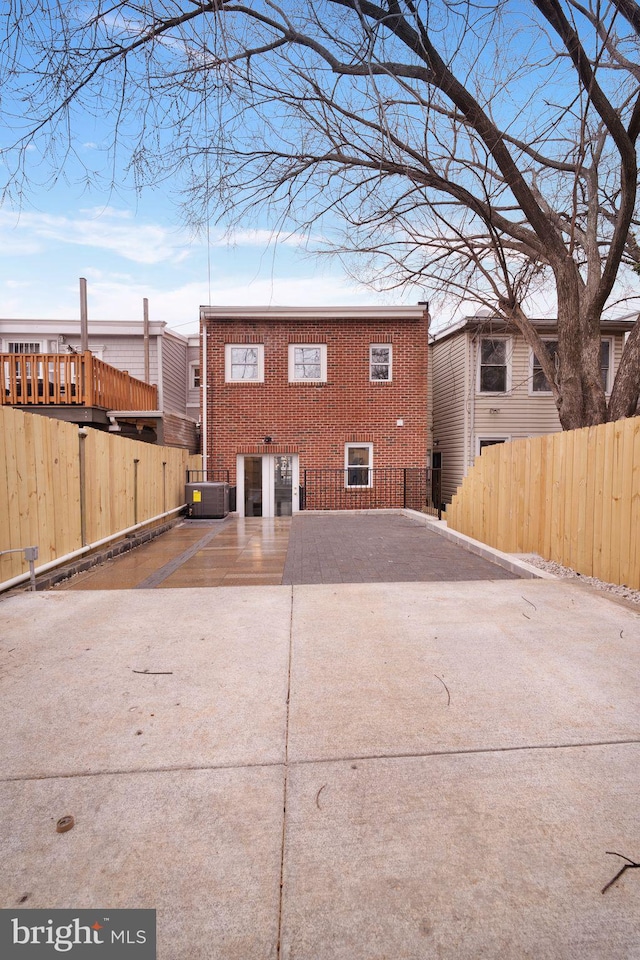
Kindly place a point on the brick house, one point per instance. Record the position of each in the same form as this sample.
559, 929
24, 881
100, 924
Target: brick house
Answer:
316, 407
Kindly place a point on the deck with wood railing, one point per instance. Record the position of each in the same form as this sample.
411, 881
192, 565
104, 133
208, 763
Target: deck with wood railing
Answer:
71, 379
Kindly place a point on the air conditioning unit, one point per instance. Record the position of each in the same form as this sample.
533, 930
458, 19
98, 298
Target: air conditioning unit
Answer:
207, 501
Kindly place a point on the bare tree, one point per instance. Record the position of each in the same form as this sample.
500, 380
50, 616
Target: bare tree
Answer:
483, 150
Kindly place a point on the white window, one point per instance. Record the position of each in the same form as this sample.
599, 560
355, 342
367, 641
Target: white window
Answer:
606, 353
494, 374
194, 376
24, 346
380, 361
358, 464
482, 442
307, 362
539, 383
244, 363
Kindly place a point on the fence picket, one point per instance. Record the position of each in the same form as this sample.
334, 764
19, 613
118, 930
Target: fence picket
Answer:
40, 485
573, 497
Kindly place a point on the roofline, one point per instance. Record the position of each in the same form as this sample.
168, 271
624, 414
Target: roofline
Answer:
51, 328
617, 325
378, 313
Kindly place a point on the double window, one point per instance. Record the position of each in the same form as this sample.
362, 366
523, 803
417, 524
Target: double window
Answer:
307, 362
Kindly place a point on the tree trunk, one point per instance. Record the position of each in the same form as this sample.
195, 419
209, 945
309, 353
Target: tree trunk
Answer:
570, 403
626, 389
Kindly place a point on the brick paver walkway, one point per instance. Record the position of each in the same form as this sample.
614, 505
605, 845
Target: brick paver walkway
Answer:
377, 548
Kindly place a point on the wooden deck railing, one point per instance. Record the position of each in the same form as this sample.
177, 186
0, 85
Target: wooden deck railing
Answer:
79, 379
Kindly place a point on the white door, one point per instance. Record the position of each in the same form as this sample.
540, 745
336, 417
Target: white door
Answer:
267, 485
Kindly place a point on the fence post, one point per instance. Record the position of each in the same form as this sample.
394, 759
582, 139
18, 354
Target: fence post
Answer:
82, 436
135, 491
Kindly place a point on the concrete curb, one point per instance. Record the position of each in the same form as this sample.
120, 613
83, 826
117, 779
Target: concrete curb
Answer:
48, 580
505, 560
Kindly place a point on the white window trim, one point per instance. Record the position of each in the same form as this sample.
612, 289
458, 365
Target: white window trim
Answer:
42, 343
228, 347
532, 392
508, 362
495, 437
348, 466
549, 393
609, 385
323, 362
385, 346
192, 368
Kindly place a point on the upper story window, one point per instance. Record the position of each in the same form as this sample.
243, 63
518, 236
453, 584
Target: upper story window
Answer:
540, 384
244, 363
307, 362
24, 346
605, 364
494, 373
194, 376
380, 361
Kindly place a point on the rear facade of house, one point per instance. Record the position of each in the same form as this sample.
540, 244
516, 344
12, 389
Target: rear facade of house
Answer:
316, 408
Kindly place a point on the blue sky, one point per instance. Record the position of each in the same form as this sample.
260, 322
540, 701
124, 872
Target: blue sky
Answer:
128, 248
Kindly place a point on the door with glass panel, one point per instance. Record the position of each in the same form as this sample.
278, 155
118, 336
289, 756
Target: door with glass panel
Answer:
268, 485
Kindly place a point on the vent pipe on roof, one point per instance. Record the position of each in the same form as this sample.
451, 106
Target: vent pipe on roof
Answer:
145, 313
84, 317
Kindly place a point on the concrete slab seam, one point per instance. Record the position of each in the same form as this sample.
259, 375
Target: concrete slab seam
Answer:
133, 771
468, 752
286, 769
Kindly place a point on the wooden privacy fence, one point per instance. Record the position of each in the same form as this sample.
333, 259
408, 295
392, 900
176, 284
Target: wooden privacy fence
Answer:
61, 490
572, 497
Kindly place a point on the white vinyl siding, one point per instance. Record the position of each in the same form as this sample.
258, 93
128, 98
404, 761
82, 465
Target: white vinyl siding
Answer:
174, 367
449, 371
518, 413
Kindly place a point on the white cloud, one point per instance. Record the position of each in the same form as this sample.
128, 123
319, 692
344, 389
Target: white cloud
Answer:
262, 238
116, 231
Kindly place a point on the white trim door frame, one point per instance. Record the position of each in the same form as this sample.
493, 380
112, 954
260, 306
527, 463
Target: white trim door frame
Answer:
280, 473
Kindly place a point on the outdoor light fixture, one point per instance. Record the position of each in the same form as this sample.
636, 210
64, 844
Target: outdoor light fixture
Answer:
267, 439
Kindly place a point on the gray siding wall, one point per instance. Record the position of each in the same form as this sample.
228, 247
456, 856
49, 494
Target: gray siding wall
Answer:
174, 375
193, 395
448, 374
126, 353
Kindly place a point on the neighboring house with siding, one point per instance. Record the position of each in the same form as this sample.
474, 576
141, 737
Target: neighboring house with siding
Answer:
173, 359
489, 388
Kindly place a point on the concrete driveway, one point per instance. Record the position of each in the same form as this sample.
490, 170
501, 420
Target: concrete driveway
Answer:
329, 772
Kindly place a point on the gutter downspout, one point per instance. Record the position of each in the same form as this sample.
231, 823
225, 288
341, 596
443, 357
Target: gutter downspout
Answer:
204, 381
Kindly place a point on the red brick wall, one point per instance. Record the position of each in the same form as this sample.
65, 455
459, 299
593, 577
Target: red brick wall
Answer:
316, 420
